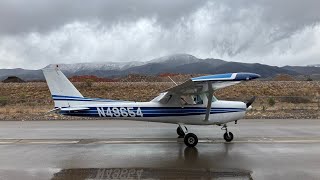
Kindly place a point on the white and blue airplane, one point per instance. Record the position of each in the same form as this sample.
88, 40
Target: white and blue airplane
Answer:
189, 103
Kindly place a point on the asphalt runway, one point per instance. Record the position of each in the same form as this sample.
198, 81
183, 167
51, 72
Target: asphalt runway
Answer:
262, 149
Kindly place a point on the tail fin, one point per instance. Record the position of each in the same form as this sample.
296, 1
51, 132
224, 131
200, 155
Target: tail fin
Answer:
60, 87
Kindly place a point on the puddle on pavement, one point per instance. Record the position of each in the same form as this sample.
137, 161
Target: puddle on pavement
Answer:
150, 173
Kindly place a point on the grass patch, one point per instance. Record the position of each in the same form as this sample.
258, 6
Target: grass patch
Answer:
3, 101
296, 100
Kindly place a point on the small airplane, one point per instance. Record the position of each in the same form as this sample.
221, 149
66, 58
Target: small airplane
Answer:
189, 103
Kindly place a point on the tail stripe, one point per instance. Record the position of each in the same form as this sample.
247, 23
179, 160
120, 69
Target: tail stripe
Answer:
74, 98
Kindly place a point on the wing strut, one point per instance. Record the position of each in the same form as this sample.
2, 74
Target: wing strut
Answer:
210, 96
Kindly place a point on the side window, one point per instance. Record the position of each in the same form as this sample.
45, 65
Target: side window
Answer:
214, 99
197, 99
187, 100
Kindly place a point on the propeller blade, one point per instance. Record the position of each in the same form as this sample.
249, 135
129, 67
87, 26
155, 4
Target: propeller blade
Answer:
251, 101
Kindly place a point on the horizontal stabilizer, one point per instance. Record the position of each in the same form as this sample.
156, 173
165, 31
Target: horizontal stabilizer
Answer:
74, 109
69, 109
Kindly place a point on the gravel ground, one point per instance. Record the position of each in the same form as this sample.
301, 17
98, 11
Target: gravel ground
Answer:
275, 99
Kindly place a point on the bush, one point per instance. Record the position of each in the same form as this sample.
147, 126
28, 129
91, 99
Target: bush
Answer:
309, 79
271, 101
3, 101
88, 83
296, 99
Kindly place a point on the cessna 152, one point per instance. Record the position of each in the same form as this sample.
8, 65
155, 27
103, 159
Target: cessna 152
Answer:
191, 102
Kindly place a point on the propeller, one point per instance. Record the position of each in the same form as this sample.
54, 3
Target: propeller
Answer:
250, 101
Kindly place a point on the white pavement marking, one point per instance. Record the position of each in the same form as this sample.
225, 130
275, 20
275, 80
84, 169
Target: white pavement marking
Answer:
49, 142
141, 141
7, 142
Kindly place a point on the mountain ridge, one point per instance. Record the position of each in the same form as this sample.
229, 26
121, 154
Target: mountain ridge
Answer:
177, 63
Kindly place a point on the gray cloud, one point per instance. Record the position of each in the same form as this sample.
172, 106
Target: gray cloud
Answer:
44, 15
34, 34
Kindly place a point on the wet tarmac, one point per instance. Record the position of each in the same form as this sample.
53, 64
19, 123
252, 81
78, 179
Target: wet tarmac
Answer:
262, 149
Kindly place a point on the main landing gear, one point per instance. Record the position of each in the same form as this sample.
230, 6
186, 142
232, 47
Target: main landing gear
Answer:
228, 136
190, 139
180, 132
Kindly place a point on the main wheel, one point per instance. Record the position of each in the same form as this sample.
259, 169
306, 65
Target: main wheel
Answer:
190, 140
228, 136
180, 132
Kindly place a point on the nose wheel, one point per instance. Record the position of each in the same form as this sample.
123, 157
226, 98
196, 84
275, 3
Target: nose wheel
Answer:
228, 136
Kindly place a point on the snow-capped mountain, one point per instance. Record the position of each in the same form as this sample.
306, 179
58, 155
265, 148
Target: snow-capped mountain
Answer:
178, 59
106, 66
314, 65
177, 63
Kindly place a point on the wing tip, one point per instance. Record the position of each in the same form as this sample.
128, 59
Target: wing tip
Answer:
246, 76
227, 77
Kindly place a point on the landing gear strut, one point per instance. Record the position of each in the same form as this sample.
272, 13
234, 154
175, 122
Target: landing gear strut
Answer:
190, 139
228, 136
180, 132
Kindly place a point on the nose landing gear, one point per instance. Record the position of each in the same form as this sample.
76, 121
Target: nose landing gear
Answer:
228, 136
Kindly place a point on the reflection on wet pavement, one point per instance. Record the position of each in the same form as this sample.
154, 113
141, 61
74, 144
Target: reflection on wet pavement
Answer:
190, 155
150, 173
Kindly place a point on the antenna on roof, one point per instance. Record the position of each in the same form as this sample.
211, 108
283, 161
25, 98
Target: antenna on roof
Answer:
172, 80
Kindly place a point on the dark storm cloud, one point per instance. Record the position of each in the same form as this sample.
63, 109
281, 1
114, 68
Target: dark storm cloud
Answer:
18, 16
39, 32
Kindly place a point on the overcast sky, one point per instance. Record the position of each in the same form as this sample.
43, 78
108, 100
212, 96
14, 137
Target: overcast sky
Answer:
36, 33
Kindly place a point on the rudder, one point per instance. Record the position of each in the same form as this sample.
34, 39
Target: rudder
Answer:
60, 86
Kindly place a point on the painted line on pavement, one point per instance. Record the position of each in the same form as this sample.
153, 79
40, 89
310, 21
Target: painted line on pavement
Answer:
149, 141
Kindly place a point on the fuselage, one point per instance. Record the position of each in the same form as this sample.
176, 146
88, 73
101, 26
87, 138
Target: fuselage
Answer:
221, 112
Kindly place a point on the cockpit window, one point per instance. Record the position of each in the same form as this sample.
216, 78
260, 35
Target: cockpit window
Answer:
214, 99
194, 99
197, 99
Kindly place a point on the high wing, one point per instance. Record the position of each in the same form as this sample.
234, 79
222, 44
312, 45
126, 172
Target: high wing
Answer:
204, 84
207, 84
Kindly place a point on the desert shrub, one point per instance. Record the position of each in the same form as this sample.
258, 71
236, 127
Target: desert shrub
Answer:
3, 101
88, 83
271, 101
295, 99
309, 79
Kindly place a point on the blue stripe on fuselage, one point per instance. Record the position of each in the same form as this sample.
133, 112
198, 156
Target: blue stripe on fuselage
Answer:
157, 111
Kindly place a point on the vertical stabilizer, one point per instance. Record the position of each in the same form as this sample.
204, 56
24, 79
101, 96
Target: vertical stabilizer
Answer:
60, 86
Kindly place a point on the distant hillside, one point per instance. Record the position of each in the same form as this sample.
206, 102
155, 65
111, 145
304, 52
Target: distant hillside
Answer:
305, 70
178, 63
22, 73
